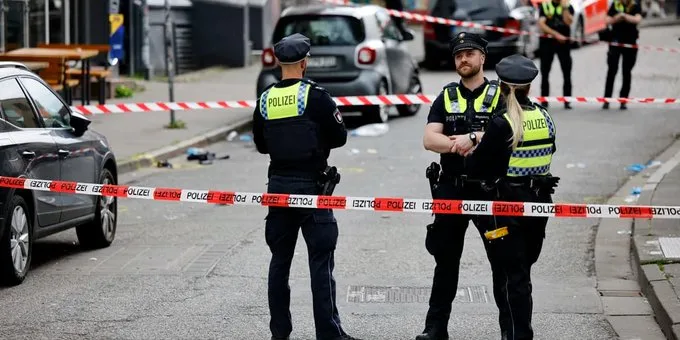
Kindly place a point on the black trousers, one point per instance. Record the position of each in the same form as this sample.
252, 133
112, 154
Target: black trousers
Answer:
547, 54
444, 241
511, 259
628, 56
320, 231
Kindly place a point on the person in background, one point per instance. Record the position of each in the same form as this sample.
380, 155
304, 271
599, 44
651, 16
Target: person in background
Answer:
555, 18
623, 16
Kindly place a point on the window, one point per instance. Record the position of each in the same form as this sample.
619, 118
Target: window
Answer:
388, 26
323, 30
15, 106
53, 111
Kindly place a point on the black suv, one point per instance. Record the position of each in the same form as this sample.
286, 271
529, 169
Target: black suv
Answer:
42, 138
511, 14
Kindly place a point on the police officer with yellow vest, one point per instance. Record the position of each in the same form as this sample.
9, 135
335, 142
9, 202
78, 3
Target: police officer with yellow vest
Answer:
623, 16
555, 18
513, 162
456, 122
297, 123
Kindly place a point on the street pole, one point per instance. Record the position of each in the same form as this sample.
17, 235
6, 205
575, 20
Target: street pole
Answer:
2, 26
146, 53
169, 59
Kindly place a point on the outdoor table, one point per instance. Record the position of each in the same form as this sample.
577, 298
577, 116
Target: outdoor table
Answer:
69, 54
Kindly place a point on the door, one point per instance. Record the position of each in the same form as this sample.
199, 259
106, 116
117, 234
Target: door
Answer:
76, 156
398, 58
35, 151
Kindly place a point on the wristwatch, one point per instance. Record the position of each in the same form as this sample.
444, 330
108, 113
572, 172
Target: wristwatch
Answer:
473, 138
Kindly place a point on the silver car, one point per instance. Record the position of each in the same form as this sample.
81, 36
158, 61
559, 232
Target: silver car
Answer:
355, 51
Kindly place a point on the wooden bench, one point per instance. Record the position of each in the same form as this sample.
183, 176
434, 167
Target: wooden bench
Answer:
54, 74
100, 73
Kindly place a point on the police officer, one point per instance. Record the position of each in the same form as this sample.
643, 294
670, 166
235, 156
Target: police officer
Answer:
555, 18
623, 16
456, 122
297, 123
513, 162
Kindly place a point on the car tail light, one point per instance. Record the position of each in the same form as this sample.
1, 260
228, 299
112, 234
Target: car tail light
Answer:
428, 31
366, 56
513, 24
268, 59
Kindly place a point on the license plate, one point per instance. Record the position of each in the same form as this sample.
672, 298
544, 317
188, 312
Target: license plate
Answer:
322, 62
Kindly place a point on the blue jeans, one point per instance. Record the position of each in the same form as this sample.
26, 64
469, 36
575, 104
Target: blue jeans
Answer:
320, 231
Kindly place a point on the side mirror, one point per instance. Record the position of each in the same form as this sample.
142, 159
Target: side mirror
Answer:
407, 34
78, 122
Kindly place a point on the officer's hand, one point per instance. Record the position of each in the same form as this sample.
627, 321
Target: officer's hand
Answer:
560, 38
462, 143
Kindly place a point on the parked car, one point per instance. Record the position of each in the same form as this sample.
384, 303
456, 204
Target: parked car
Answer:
590, 17
42, 138
355, 51
507, 14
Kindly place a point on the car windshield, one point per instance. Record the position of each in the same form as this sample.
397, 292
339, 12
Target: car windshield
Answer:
476, 7
322, 30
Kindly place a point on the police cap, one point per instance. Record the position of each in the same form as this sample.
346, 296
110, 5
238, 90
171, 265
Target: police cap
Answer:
292, 49
516, 70
467, 41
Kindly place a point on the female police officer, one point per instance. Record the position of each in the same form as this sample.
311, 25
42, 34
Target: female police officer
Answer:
513, 161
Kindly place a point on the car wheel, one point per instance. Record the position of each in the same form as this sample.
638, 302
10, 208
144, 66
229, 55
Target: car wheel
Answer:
16, 243
102, 230
379, 113
415, 87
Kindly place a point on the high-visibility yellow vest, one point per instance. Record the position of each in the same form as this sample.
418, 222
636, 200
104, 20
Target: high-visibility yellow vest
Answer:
284, 102
533, 154
621, 8
549, 9
486, 101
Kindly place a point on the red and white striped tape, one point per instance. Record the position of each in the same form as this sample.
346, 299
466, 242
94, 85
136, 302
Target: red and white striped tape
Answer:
394, 99
386, 204
451, 22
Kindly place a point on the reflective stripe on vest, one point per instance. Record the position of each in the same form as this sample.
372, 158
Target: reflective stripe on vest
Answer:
486, 102
284, 102
549, 9
533, 155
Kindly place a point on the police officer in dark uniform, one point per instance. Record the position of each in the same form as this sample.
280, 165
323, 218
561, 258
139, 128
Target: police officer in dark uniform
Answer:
456, 122
555, 18
513, 162
297, 123
623, 16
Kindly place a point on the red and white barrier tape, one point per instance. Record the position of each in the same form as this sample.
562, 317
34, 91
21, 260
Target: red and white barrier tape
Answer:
451, 22
387, 204
394, 99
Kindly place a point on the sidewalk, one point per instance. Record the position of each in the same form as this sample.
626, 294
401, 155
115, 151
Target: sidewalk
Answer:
656, 244
140, 139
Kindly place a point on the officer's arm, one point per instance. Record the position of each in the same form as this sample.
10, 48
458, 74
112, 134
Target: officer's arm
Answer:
258, 134
543, 24
490, 150
434, 138
635, 15
612, 15
326, 113
568, 15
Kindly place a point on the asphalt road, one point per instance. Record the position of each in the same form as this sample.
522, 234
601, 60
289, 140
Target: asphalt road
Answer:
188, 270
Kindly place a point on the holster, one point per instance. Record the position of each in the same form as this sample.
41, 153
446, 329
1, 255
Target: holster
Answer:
432, 173
328, 179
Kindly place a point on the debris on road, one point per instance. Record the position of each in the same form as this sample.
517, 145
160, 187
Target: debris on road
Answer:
371, 130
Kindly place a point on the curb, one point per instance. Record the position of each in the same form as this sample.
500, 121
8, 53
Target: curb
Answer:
659, 22
210, 137
620, 275
651, 278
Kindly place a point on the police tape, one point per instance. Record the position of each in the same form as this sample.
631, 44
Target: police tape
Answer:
452, 22
393, 99
383, 204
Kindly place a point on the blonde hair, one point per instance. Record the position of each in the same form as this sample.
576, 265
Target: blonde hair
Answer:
514, 110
